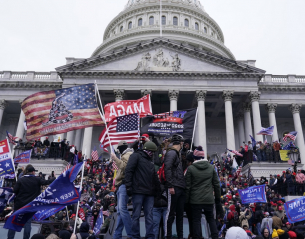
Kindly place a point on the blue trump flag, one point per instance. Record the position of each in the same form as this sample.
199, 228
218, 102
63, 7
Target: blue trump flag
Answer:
5, 195
253, 140
60, 193
23, 157
266, 131
295, 210
43, 214
99, 222
253, 194
6, 167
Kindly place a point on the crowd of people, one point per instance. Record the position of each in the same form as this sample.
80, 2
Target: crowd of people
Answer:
172, 180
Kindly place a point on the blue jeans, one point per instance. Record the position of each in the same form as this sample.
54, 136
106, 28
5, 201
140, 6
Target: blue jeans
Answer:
258, 227
139, 200
26, 231
159, 212
123, 218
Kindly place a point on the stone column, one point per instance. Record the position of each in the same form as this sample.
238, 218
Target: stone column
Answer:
247, 119
241, 129
119, 94
272, 120
227, 97
255, 96
77, 141
3, 104
201, 135
70, 137
295, 109
87, 141
146, 92
173, 97
20, 127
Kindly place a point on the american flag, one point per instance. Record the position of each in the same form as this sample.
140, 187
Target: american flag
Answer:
266, 131
291, 135
66, 168
94, 155
59, 111
235, 152
239, 170
114, 166
11, 138
121, 128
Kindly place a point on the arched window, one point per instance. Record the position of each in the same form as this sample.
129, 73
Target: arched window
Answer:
163, 20
186, 22
129, 25
151, 20
121, 28
196, 26
175, 21
140, 22
205, 30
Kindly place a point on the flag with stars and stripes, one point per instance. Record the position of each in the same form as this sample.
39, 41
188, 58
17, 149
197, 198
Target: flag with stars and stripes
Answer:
121, 128
114, 166
59, 111
66, 168
60, 193
266, 131
13, 140
291, 135
236, 152
94, 155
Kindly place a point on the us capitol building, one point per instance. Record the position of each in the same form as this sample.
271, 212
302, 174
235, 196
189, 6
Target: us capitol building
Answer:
188, 66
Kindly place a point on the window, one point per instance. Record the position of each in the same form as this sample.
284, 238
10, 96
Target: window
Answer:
175, 21
129, 25
212, 34
186, 22
151, 21
163, 20
121, 28
140, 22
113, 33
196, 26
205, 30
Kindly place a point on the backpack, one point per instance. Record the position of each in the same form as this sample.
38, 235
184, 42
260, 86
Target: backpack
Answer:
234, 222
161, 171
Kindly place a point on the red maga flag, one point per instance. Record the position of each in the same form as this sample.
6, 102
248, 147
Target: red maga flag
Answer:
126, 107
59, 111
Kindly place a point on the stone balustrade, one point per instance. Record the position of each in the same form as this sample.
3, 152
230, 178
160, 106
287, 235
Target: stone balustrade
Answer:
29, 76
283, 79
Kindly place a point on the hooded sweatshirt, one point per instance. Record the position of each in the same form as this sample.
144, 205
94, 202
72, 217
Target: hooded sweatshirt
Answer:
201, 183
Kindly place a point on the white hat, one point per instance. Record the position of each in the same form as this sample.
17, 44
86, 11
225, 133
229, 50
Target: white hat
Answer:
236, 233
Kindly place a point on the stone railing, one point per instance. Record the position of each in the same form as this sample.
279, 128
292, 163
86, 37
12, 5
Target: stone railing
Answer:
29, 75
285, 79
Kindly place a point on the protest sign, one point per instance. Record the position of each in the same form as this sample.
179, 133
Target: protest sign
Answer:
253, 194
6, 163
283, 155
295, 210
81, 214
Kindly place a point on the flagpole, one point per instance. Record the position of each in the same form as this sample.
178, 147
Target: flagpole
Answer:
99, 97
80, 189
160, 18
67, 213
195, 124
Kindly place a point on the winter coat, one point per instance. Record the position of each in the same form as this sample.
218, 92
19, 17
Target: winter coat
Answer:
244, 219
140, 174
173, 169
27, 189
121, 164
267, 223
258, 214
277, 222
160, 198
201, 183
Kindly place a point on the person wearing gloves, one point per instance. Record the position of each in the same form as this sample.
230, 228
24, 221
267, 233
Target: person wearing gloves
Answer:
123, 219
244, 217
202, 184
142, 183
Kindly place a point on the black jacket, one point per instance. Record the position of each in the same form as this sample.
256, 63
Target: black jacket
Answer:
173, 169
64, 234
27, 189
140, 174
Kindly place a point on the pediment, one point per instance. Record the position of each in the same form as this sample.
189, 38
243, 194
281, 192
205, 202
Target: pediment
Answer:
159, 56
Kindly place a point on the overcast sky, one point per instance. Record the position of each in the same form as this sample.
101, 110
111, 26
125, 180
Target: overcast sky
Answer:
37, 35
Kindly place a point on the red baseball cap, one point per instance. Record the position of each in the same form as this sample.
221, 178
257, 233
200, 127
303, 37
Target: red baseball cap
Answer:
288, 223
226, 203
280, 208
145, 135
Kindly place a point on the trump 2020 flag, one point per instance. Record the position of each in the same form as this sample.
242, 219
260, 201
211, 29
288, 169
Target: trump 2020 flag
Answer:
253, 194
23, 157
295, 210
99, 222
6, 163
5, 195
266, 131
59, 111
60, 193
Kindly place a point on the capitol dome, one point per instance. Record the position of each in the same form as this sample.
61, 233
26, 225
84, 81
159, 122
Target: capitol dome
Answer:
184, 21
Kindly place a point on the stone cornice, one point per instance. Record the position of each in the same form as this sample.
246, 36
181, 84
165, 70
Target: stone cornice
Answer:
30, 85
288, 87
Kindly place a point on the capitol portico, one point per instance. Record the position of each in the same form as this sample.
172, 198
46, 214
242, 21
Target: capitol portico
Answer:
188, 66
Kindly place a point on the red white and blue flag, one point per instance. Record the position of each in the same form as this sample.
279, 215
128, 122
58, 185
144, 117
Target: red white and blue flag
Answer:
291, 135
12, 139
235, 152
94, 155
266, 131
24, 157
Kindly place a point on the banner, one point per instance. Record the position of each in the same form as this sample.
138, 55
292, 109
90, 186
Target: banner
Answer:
59, 111
295, 210
253, 194
60, 193
81, 214
5, 195
6, 163
126, 107
24, 157
283, 155
99, 223
166, 124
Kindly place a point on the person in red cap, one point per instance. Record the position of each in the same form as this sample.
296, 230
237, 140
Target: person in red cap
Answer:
280, 213
292, 235
287, 227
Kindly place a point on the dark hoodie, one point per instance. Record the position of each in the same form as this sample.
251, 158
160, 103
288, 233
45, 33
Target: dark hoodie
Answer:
84, 230
201, 183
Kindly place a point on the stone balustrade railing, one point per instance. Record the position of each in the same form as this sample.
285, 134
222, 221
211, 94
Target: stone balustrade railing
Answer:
29, 76
285, 79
